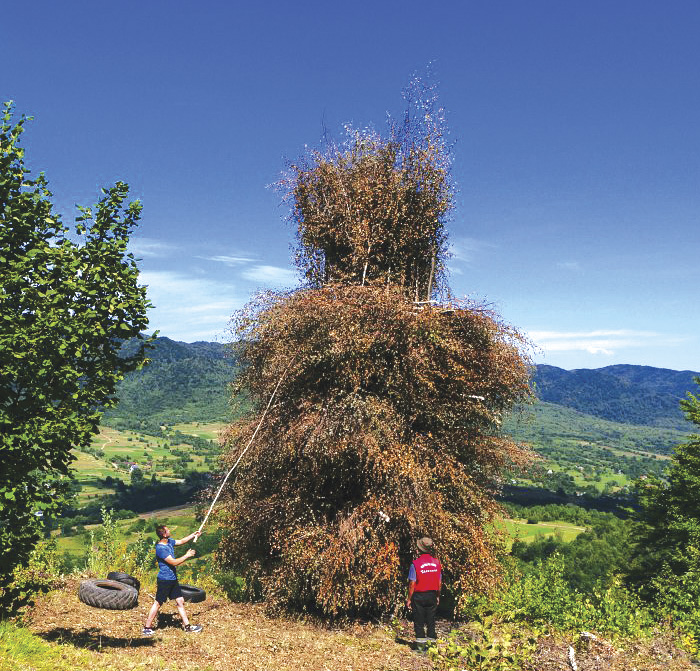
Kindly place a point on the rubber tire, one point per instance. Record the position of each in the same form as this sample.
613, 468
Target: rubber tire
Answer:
125, 578
193, 594
109, 594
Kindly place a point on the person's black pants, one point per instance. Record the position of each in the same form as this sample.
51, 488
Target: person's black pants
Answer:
424, 606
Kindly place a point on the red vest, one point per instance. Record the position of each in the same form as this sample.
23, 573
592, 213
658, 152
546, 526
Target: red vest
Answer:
428, 572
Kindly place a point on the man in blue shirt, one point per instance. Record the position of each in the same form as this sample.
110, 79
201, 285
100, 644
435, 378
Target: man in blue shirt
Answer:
168, 586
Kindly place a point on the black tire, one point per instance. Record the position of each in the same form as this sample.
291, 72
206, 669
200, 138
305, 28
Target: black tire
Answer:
193, 594
125, 578
109, 594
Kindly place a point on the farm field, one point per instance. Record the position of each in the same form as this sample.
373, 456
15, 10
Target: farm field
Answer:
114, 453
180, 519
519, 529
208, 430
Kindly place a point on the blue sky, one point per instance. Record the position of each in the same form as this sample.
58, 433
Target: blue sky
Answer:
577, 155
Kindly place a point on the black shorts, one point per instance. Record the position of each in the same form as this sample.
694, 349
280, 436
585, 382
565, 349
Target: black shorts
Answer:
167, 589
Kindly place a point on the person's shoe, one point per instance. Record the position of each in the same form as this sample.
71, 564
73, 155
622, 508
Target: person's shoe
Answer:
192, 628
147, 631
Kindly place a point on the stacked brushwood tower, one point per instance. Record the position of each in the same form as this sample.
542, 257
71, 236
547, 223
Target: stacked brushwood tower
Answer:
386, 423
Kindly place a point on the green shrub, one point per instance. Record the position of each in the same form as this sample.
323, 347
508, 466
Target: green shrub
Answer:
544, 597
678, 599
40, 574
489, 648
232, 584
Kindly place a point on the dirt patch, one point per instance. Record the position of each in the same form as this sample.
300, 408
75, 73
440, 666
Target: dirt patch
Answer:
236, 637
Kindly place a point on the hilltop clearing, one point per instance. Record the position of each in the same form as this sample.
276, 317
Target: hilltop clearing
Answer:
235, 637
241, 637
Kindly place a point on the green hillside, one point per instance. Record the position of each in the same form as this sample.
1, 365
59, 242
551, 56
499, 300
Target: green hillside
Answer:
183, 382
639, 395
597, 430
549, 425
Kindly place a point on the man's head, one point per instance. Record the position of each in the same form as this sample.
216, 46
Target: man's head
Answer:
162, 531
425, 545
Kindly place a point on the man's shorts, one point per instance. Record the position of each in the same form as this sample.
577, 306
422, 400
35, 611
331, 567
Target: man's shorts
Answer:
167, 589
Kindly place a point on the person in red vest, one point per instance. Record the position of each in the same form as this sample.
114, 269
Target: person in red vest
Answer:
424, 583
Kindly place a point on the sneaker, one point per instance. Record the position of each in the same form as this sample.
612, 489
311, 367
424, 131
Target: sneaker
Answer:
147, 631
192, 628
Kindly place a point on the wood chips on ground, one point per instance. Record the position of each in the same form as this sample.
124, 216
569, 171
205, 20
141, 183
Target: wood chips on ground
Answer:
241, 637
236, 637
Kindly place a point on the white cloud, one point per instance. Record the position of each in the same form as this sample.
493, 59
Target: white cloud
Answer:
466, 250
148, 247
603, 342
271, 276
593, 334
190, 308
228, 260
573, 266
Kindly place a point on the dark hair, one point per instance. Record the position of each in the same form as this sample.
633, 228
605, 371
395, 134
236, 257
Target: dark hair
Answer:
160, 530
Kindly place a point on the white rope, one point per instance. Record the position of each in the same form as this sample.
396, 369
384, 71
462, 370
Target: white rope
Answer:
250, 442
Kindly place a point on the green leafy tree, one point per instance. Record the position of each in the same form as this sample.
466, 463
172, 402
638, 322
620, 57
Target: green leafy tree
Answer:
668, 524
65, 309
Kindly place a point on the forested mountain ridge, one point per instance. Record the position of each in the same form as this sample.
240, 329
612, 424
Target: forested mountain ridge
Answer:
190, 382
183, 382
640, 395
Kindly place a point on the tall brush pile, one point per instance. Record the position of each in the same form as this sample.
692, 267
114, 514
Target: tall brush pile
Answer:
386, 423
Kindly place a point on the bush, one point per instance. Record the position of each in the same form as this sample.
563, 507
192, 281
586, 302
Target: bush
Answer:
544, 597
41, 574
489, 648
678, 597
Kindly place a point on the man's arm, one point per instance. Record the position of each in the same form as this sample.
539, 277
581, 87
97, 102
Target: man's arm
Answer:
176, 562
411, 587
187, 539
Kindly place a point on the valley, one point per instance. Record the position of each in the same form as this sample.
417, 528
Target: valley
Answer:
157, 449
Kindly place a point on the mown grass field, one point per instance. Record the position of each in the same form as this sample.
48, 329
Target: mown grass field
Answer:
518, 529
181, 521
208, 430
112, 450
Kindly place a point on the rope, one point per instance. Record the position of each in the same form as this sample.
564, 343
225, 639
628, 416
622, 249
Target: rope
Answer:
250, 442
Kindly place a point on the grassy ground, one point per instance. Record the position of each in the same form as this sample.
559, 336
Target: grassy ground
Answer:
208, 430
154, 456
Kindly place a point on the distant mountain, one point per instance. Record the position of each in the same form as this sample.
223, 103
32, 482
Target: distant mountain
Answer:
184, 382
639, 395
187, 382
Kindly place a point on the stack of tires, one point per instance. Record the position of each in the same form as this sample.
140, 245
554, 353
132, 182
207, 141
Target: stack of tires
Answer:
120, 591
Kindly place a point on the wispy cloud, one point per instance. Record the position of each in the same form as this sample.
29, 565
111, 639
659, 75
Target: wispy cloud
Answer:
251, 270
604, 342
467, 250
573, 266
228, 260
148, 247
190, 308
270, 276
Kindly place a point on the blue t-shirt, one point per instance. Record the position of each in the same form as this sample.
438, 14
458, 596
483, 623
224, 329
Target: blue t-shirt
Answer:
165, 571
